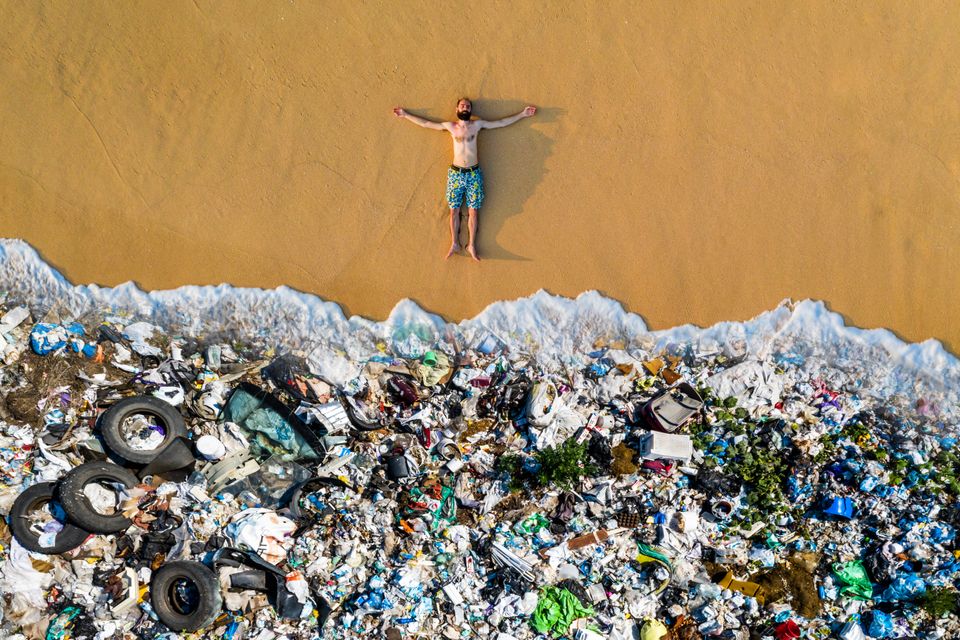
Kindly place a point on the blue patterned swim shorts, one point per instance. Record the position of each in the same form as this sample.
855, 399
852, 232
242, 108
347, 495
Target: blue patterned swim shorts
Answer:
464, 182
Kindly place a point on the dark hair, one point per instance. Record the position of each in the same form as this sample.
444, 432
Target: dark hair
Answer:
459, 100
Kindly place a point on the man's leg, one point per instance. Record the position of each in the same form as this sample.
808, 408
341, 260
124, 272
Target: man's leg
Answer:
474, 200
456, 187
472, 227
454, 231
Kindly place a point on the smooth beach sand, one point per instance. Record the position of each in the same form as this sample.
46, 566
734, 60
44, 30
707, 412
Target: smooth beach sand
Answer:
697, 161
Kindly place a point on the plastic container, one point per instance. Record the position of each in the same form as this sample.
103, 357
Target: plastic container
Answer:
787, 630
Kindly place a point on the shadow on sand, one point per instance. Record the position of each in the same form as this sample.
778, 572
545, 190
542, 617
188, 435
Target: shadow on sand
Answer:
514, 163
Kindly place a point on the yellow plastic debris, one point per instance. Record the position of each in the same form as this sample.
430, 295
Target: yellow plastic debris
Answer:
652, 630
654, 366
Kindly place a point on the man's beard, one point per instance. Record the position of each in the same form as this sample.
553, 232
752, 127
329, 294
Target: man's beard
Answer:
464, 115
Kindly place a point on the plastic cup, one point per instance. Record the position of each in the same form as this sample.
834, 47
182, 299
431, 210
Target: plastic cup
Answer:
430, 359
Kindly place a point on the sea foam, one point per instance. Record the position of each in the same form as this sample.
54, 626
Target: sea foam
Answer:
560, 332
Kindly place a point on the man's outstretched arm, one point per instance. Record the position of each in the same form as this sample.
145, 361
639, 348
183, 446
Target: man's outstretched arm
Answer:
423, 122
505, 122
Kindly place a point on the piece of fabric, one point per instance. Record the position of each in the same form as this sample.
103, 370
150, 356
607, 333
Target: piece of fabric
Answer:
556, 610
469, 185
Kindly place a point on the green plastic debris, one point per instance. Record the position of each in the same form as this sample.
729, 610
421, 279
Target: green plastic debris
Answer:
773, 543
556, 610
533, 524
652, 554
61, 626
856, 582
440, 502
432, 368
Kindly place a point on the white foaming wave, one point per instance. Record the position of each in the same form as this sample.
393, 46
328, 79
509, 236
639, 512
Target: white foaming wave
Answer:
557, 330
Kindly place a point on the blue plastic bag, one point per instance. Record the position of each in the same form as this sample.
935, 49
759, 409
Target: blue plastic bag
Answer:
46, 338
600, 368
906, 586
881, 626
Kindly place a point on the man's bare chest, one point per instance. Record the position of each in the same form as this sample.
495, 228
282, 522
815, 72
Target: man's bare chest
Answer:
464, 135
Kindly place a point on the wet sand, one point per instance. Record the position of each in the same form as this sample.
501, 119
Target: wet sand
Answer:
697, 162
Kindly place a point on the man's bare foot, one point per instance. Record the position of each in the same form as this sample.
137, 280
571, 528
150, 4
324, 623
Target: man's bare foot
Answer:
453, 249
473, 252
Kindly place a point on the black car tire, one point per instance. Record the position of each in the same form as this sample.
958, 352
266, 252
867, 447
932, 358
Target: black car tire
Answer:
35, 496
168, 606
77, 505
293, 507
112, 421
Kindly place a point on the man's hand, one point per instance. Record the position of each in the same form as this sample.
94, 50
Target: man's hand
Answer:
529, 111
399, 112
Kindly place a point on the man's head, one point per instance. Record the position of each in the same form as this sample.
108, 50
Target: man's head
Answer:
464, 108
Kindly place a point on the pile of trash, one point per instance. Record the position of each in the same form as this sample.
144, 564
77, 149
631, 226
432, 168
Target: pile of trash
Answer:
165, 486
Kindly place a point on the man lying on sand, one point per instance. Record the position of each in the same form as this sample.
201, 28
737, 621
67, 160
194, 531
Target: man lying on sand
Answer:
464, 177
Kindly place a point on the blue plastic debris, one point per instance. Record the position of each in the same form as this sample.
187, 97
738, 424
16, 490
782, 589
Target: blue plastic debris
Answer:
841, 507
906, 586
940, 533
600, 368
46, 337
881, 626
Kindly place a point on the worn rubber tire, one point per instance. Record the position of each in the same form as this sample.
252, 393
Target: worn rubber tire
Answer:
164, 604
26, 503
113, 418
78, 506
296, 512
312, 484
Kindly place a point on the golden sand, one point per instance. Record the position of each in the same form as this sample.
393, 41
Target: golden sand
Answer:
697, 161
